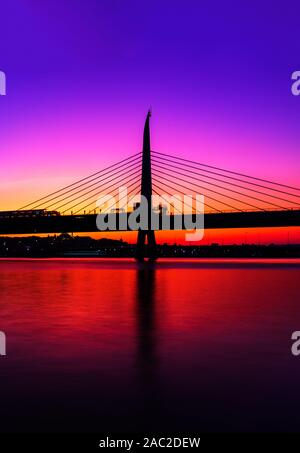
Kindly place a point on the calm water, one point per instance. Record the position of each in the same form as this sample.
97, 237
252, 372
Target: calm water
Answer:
110, 345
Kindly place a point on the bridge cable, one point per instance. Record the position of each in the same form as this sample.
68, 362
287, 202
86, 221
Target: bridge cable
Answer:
95, 188
94, 201
182, 193
167, 166
85, 186
125, 196
79, 181
229, 171
214, 199
222, 194
231, 177
186, 204
88, 198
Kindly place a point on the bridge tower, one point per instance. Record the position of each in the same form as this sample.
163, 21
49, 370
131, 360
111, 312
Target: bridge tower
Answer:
146, 190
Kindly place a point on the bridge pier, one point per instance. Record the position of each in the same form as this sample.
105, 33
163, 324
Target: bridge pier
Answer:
143, 249
146, 250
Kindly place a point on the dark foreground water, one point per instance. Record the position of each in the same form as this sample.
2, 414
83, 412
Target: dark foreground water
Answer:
110, 345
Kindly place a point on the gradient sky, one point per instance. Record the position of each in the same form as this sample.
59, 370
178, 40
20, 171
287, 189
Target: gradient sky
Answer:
81, 76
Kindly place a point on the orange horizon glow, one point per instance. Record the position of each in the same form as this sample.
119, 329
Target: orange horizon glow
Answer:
278, 235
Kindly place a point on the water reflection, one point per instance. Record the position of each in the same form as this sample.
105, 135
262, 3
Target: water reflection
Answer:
112, 344
145, 315
146, 338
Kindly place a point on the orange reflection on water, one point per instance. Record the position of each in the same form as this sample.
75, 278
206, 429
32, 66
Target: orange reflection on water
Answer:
125, 344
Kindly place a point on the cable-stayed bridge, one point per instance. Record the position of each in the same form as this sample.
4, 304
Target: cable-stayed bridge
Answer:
231, 199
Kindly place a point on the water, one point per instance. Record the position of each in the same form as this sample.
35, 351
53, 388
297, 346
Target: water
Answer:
111, 345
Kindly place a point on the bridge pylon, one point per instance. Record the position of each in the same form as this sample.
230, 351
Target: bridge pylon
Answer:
143, 249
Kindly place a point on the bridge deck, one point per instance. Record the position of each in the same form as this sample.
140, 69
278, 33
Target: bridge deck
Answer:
87, 223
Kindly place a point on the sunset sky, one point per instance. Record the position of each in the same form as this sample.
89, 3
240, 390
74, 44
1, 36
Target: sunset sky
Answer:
82, 75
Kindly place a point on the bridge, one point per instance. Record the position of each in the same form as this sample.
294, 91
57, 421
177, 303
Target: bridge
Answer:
231, 199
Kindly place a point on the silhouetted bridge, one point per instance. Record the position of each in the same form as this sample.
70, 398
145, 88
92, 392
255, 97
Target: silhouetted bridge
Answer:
87, 223
231, 199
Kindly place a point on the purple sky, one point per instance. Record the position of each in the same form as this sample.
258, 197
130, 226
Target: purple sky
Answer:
82, 74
